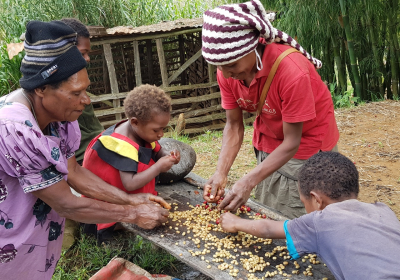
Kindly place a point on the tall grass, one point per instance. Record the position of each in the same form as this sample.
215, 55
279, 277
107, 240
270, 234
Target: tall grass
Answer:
14, 15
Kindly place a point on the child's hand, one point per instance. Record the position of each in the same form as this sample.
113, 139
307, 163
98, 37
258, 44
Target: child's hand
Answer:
229, 222
165, 163
177, 156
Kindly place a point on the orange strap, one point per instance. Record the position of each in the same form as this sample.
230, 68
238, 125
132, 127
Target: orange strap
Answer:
271, 77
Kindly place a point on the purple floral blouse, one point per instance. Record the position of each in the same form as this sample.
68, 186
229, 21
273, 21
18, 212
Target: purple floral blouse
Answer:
31, 232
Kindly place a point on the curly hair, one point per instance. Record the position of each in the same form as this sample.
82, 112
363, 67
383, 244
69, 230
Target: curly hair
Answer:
144, 100
80, 29
331, 173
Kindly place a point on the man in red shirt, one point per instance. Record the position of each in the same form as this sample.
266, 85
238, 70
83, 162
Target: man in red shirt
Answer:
297, 118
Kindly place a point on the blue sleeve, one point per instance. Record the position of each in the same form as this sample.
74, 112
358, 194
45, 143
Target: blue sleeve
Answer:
289, 243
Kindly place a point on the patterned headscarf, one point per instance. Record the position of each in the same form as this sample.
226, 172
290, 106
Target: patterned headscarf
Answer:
232, 31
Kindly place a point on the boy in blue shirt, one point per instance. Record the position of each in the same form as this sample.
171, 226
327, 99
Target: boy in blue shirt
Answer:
356, 240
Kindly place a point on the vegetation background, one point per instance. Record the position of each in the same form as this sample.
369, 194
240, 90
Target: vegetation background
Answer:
357, 41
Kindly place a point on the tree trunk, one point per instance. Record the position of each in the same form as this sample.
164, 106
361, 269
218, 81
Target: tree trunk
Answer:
350, 45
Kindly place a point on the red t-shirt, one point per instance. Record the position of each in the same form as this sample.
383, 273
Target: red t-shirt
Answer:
297, 94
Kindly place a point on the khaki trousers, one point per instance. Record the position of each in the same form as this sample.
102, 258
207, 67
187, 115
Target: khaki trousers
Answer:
279, 190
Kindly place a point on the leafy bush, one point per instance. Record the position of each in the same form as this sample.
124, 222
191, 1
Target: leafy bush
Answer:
9, 71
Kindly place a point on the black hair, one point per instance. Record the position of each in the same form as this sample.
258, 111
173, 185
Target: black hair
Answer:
77, 26
331, 173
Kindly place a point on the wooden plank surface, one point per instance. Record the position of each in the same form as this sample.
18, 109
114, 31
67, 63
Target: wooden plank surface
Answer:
186, 87
183, 100
183, 193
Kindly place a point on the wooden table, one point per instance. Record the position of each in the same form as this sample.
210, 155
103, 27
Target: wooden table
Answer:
181, 193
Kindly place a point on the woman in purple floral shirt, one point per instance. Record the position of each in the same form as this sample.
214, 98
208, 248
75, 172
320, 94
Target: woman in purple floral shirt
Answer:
38, 137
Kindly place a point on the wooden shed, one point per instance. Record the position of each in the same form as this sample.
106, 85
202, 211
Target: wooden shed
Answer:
168, 55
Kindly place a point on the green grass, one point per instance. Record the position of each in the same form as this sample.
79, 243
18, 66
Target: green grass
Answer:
15, 14
85, 258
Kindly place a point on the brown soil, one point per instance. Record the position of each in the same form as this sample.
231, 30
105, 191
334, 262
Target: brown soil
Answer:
369, 136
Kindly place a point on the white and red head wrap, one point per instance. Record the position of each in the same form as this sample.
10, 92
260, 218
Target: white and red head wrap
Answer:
232, 31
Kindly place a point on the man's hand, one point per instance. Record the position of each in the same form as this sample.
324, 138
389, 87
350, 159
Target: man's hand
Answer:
214, 189
146, 198
237, 196
149, 216
228, 222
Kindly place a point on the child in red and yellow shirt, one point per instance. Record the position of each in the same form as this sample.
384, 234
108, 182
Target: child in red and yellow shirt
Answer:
128, 155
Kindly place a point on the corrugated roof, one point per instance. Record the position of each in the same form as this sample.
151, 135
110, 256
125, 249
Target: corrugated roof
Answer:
164, 26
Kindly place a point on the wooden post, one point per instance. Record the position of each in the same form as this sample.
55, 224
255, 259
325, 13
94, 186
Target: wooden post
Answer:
163, 65
138, 73
212, 78
182, 59
128, 83
113, 77
180, 125
149, 52
106, 77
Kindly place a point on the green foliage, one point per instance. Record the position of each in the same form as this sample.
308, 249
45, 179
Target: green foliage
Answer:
363, 32
85, 258
15, 14
9, 71
343, 100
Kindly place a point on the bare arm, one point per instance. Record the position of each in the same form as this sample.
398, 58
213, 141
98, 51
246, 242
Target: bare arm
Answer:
87, 210
261, 228
90, 185
240, 192
133, 181
281, 155
231, 142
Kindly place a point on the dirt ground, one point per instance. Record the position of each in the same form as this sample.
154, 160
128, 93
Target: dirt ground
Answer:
369, 136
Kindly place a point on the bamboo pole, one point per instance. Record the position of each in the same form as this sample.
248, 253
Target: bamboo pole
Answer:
340, 69
394, 46
374, 43
350, 45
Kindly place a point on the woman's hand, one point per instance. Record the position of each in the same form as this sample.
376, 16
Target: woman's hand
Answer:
146, 198
229, 222
237, 196
149, 216
214, 189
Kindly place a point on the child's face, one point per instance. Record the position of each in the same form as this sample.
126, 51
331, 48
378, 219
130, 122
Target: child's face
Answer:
153, 130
